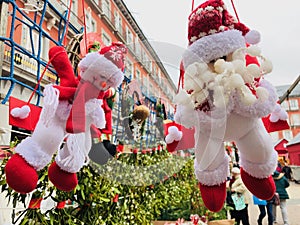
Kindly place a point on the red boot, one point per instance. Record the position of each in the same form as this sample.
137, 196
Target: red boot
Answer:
20, 175
262, 188
61, 179
213, 196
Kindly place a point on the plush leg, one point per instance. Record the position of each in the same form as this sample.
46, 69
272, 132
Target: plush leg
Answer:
69, 160
35, 152
258, 161
211, 169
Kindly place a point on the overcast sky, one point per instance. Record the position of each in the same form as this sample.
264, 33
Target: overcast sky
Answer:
164, 22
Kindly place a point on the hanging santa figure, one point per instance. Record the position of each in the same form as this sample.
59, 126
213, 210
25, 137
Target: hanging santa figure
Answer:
69, 110
225, 96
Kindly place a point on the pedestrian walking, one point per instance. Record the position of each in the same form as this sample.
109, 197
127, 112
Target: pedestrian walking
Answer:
264, 206
281, 183
241, 198
286, 169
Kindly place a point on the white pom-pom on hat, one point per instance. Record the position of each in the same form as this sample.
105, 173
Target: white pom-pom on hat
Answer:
252, 37
21, 113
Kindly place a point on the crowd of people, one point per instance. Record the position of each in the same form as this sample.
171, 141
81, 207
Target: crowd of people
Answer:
238, 197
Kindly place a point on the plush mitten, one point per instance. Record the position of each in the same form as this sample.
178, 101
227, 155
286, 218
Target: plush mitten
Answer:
213, 196
20, 175
63, 180
262, 188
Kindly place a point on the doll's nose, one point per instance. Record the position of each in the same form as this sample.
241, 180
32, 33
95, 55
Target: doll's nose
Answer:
103, 84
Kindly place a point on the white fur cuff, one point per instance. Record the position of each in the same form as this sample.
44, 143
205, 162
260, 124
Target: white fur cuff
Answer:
260, 170
215, 177
33, 154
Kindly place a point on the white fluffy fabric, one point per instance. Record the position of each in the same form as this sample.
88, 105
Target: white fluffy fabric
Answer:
262, 170
73, 155
213, 47
212, 177
95, 111
259, 108
33, 153
174, 135
96, 65
51, 101
22, 112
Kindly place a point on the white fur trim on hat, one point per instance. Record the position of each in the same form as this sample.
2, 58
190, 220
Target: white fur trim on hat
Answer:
213, 47
97, 64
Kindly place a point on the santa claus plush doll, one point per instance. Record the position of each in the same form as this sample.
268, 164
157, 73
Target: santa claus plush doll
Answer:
224, 98
69, 110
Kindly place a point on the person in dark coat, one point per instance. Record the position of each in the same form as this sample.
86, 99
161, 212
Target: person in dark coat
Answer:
281, 183
286, 169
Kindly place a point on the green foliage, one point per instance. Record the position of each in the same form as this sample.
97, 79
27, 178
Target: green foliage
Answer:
129, 189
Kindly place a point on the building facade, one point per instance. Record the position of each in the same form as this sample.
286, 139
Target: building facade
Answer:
29, 28
292, 106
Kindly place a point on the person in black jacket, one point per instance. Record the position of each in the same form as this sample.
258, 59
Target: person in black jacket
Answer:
286, 169
281, 183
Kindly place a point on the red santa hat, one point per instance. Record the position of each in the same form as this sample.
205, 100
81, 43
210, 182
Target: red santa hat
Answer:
213, 32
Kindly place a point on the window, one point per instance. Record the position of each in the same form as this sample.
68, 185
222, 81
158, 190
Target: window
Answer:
295, 119
138, 75
285, 105
138, 50
74, 7
106, 39
287, 134
146, 85
118, 22
128, 68
91, 24
129, 38
293, 104
106, 8
159, 76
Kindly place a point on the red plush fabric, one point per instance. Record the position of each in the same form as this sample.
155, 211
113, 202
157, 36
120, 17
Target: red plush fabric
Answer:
61, 179
213, 196
277, 126
22, 180
76, 120
63, 66
28, 123
261, 188
187, 141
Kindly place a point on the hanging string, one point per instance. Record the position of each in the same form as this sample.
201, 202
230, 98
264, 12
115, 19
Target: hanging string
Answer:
41, 77
68, 21
237, 17
84, 25
181, 77
193, 1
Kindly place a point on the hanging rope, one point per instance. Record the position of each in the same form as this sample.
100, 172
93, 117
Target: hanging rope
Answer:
84, 24
68, 21
193, 5
237, 17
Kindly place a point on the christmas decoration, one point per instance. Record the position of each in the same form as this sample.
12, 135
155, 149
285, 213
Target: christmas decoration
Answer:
224, 98
68, 112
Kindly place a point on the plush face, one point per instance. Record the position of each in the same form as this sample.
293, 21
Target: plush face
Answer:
100, 71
